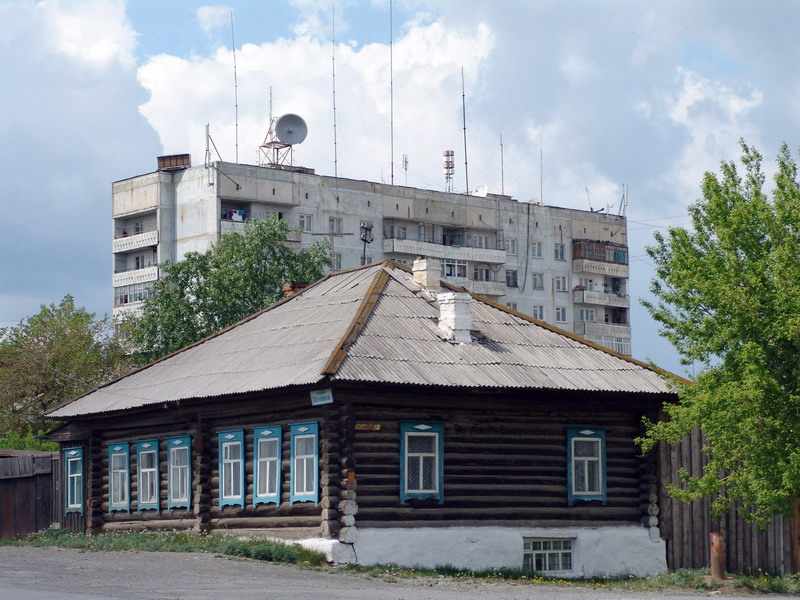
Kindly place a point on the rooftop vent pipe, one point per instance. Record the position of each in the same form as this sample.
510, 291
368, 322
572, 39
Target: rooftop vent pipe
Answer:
427, 272
455, 316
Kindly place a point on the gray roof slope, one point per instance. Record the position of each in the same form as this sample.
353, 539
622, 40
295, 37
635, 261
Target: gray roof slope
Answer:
297, 342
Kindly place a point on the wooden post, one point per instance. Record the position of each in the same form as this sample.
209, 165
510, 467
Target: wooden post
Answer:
717, 556
202, 475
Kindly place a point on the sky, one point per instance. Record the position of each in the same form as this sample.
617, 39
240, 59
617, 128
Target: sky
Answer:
644, 94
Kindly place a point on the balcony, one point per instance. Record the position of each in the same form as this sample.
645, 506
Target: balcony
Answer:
601, 298
135, 276
295, 236
595, 330
127, 243
123, 311
417, 248
486, 288
598, 267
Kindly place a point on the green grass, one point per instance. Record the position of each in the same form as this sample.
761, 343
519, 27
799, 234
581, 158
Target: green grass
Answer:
266, 550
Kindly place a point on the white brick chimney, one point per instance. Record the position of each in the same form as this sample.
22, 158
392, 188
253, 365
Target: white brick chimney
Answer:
455, 316
427, 272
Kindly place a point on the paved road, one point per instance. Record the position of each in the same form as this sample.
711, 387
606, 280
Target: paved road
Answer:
55, 574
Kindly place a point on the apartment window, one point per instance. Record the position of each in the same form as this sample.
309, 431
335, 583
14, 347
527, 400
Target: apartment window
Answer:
538, 312
586, 463
586, 314
366, 259
402, 232
511, 246
454, 268
421, 464
231, 468
618, 344
138, 227
306, 223
73, 461
512, 305
118, 461
335, 225
511, 278
147, 463
586, 283
542, 555
179, 472
559, 251
337, 261
267, 442
561, 314
482, 274
304, 470
536, 249
560, 283
537, 281
480, 240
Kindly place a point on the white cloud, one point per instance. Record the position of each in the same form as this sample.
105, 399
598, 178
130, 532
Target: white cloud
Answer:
213, 16
577, 69
95, 32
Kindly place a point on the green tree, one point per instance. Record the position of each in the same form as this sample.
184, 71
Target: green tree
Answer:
56, 355
204, 293
728, 298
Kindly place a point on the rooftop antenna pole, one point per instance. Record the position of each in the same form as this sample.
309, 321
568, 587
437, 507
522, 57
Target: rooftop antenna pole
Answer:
235, 94
464, 123
502, 174
541, 168
391, 91
588, 198
270, 105
333, 72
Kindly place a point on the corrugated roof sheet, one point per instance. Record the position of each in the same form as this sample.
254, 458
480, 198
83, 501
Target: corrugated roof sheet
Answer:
291, 342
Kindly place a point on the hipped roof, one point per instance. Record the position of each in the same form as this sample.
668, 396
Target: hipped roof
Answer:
373, 324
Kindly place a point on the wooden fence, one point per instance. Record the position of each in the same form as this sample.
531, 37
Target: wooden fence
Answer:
685, 526
30, 492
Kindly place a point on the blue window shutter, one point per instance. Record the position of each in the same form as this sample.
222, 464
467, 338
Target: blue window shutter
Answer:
184, 441
235, 435
588, 433
407, 427
262, 433
300, 430
147, 446
120, 448
73, 453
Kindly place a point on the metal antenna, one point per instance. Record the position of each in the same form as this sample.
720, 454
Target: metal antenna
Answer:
235, 94
333, 72
270, 104
541, 168
391, 91
464, 122
502, 174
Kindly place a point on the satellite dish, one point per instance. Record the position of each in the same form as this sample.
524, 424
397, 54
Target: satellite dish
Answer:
291, 129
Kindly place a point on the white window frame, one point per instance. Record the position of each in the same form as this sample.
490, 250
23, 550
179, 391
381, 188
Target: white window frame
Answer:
147, 473
304, 457
536, 250
561, 314
420, 456
530, 554
77, 490
537, 278
559, 251
538, 312
227, 463
267, 464
560, 283
586, 459
118, 483
174, 468
306, 222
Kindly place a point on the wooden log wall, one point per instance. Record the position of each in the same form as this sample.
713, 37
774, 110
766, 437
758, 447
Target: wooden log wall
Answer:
504, 464
685, 525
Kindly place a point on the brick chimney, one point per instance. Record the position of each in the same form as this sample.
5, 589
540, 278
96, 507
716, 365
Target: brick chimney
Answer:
455, 316
427, 272
174, 162
290, 288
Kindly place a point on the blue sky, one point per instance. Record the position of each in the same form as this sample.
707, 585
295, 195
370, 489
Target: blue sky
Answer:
645, 94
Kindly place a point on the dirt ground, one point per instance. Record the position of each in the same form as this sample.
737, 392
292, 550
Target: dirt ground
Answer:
57, 574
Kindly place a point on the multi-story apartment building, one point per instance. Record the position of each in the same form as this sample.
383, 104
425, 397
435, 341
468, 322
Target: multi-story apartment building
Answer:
564, 266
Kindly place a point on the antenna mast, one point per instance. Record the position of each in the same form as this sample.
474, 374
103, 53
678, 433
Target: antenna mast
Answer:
502, 174
333, 72
541, 168
391, 91
464, 122
235, 95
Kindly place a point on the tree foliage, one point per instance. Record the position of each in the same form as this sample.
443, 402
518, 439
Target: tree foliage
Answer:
728, 297
57, 354
204, 293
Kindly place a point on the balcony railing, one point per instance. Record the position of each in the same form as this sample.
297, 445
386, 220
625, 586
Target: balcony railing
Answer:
597, 267
592, 329
418, 248
581, 296
126, 243
135, 276
295, 236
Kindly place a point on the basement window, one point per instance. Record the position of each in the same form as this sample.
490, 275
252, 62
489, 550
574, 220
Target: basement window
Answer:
543, 555
421, 462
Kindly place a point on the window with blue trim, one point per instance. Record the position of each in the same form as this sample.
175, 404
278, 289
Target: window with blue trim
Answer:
267, 458
231, 468
119, 469
586, 459
73, 468
179, 472
304, 468
421, 461
147, 468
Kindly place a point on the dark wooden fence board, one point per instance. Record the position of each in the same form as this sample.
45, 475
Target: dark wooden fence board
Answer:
27, 499
685, 525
